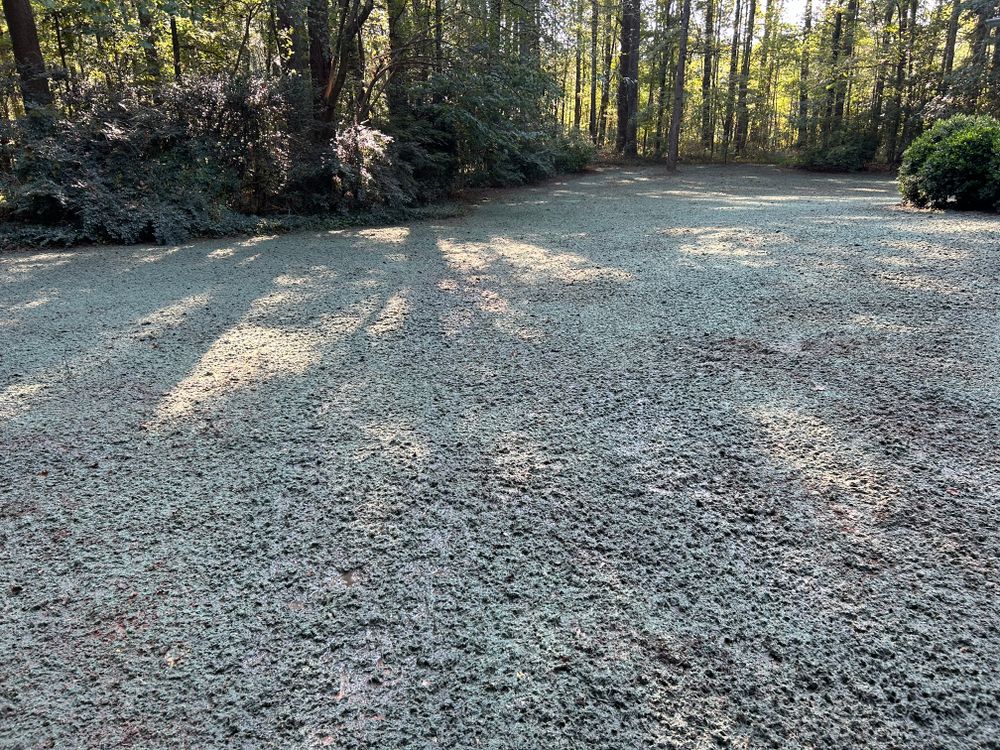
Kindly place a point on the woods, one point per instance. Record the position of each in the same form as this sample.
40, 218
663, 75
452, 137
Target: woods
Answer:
263, 107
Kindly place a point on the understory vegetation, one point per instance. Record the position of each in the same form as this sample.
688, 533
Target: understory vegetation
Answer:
211, 155
153, 120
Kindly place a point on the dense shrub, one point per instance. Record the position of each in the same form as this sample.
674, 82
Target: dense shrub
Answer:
573, 153
956, 164
205, 156
849, 152
125, 169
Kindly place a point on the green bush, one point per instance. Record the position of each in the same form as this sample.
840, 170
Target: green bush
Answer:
851, 152
955, 164
199, 158
214, 156
573, 153
129, 168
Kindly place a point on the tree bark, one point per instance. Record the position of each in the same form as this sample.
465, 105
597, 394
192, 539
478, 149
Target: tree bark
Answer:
894, 112
742, 112
951, 37
609, 55
803, 123
878, 95
594, 22
707, 131
28, 58
734, 56
677, 108
628, 80
438, 37
318, 22
175, 47
292, 45
846, 57
661, 86
578, 84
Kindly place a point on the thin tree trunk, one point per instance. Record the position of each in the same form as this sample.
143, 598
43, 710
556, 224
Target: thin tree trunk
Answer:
803, 116
175, 47
951, 37
609, 55
742, 112
707, 131
834, 82
878, 95
896, 102
764, 81
677, 108
734, 53
661, 87
594, 22
578, 84
847, 56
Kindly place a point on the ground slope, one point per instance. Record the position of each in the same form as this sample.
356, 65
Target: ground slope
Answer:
628, 460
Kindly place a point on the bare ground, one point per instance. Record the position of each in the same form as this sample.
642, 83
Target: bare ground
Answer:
623, 461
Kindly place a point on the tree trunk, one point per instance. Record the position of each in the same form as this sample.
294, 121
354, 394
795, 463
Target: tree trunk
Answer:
803, 123
628, 80
734, 55
292, 47
896, 102
349, 60
175, 47
677, 108
742, 112
609, 55
529, 48
396, 96
707, 131
661, 86
594, 22
578, 84
319, 44
27, 53
846, 57
834, 81
878, 95
951, 37
764, 81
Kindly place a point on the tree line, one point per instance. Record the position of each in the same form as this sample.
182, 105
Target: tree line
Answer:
717, 79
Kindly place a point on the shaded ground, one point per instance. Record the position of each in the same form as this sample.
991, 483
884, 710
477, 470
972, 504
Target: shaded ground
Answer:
624, 461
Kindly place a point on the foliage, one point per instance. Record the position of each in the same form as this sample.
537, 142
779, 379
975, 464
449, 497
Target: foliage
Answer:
495, 127
572, 153
205, 154
955, 164
126, 168
201, 158
849, 152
